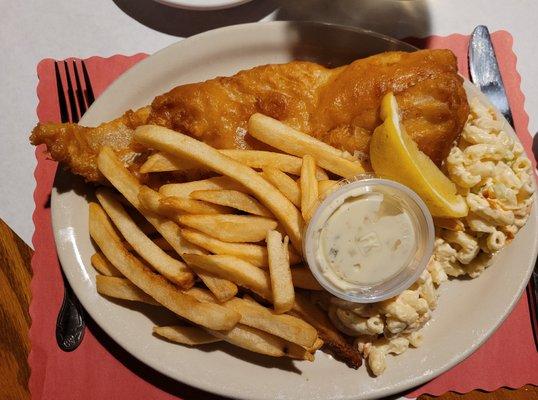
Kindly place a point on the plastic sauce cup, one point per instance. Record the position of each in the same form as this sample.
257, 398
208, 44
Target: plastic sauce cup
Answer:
409, 202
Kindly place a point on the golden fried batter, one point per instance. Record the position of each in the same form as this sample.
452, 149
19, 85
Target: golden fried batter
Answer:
339, 106
77, 147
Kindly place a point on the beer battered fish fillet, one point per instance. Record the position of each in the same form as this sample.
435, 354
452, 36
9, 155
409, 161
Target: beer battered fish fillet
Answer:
339, 106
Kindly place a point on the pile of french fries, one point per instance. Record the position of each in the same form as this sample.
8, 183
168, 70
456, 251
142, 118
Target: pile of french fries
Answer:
225, 253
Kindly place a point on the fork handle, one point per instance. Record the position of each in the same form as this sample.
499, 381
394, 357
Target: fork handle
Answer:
70, 322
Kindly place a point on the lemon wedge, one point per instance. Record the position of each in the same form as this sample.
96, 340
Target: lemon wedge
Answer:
394, 155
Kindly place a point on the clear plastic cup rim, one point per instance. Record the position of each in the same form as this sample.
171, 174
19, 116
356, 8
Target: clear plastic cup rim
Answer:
397, 283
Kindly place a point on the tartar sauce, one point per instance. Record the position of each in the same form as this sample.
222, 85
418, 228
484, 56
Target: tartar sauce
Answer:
367, 239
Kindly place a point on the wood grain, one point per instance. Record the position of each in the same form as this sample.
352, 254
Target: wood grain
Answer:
15, 276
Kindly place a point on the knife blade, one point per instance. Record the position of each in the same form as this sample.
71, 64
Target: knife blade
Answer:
485, 73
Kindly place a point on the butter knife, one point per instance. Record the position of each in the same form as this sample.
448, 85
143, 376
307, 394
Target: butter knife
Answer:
484, 71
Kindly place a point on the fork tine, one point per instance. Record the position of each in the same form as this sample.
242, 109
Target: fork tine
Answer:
90, 97
79, 91
71, 95
64, 114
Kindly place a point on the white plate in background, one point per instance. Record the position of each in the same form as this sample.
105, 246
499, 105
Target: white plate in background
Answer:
203, 5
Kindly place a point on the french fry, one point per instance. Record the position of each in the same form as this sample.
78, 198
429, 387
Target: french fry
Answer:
300, 353
229, 227
284, 183
149, 203
202, 294
262, 342
279, 272
325, 187
211, 316
223, 289
255, 315
287, 327
291, 141
113, 169
172, 205
303, 279
162, 162
121, 288
128, 185
172, 269
233, 269
188, 335
234, 199
185, 189
262, 159
161, 242
103, 266
318, 344
309, 187
180, 145
308, 311
150, 200
253, 253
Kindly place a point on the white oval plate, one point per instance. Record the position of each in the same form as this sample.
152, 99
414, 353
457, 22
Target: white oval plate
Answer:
469, 311
203, 5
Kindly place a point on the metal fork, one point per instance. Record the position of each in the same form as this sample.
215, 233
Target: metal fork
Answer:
70, 324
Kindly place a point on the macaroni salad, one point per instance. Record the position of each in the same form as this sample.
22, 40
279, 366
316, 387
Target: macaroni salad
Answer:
495, 177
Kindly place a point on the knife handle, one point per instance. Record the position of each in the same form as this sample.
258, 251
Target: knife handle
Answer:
532, 295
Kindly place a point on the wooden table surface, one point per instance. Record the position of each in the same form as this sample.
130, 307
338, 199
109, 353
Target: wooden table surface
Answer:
15, 275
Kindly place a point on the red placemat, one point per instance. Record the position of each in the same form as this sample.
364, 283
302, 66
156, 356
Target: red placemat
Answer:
99, 368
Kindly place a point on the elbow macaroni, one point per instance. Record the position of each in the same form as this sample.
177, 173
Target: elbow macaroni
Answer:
467, 245
495, 177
